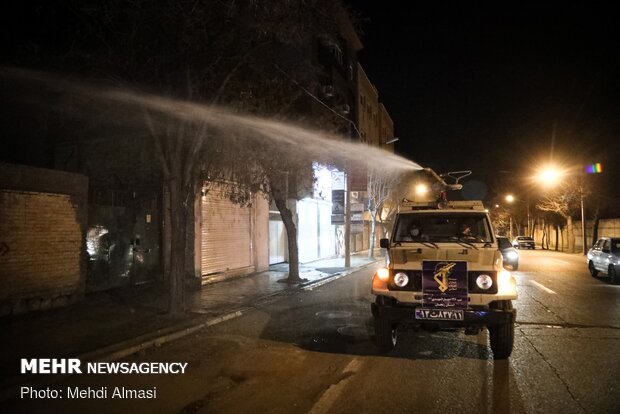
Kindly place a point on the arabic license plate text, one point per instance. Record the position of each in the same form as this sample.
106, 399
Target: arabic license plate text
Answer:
439, 314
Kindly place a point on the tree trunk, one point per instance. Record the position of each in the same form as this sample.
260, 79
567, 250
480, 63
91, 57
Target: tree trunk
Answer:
279, 197
557, 236
570, 234
544, 235
176, 298
166, 234
595, 224
373, 227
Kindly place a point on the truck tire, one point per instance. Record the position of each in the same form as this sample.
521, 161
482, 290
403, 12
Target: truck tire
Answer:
385, 334
502, 336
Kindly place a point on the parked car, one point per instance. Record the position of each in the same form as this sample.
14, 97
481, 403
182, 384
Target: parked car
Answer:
510, 255
524, 242
604, 257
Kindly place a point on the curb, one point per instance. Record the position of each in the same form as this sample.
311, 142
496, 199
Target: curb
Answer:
331, 278
159, 337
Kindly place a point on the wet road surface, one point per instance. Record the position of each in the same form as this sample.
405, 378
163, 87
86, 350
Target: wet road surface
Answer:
312, 351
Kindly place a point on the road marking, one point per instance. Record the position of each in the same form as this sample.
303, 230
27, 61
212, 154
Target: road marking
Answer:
334, 391
542, 287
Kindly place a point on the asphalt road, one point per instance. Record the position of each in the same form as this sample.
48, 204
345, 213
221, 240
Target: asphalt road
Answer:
312, 352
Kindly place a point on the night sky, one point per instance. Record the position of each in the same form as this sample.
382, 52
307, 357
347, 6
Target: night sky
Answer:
495, 87
482, 86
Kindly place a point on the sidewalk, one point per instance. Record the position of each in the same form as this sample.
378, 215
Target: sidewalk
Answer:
105, 323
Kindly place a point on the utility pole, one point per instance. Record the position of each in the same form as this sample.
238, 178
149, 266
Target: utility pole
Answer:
347, 219
529, 232
583, 221
584, 247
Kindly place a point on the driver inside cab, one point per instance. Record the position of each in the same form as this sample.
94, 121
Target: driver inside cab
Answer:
415, 233
465, 232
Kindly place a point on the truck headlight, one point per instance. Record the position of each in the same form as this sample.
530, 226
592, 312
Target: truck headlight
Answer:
383, 273
401, 279
484, 281
506, 284
503, 278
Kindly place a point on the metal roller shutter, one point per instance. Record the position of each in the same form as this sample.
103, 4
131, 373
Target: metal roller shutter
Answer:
226, 234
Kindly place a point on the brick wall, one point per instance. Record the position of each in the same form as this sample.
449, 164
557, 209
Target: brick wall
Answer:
42, 230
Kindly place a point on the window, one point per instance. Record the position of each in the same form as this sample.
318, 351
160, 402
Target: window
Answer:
337, 52
504, 243
598, 245
443, 227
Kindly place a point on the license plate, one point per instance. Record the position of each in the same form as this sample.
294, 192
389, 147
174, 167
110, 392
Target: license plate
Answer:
439, 314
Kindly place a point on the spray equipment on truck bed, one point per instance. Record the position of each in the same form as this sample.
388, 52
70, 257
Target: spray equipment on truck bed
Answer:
426, 186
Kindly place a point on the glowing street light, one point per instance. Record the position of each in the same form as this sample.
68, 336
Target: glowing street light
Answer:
549, 175
511, 199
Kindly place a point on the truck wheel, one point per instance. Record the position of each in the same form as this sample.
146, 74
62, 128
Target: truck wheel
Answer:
592, 269
502, 336
613, 276
385, 334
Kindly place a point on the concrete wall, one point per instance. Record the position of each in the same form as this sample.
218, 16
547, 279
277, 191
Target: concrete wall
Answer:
43, 217
606, 228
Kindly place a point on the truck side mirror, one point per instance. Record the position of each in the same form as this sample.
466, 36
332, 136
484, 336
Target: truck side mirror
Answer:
385, 243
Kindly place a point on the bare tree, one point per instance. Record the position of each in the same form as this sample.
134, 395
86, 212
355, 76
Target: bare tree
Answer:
500, 218
382, 188
562, 202
399, 187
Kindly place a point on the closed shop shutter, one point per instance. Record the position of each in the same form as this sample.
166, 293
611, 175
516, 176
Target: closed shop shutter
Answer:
226, 234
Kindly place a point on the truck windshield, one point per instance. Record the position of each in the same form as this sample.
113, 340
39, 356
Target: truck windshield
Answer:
442, 227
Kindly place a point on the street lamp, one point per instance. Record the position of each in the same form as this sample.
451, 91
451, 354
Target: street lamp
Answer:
550, 176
